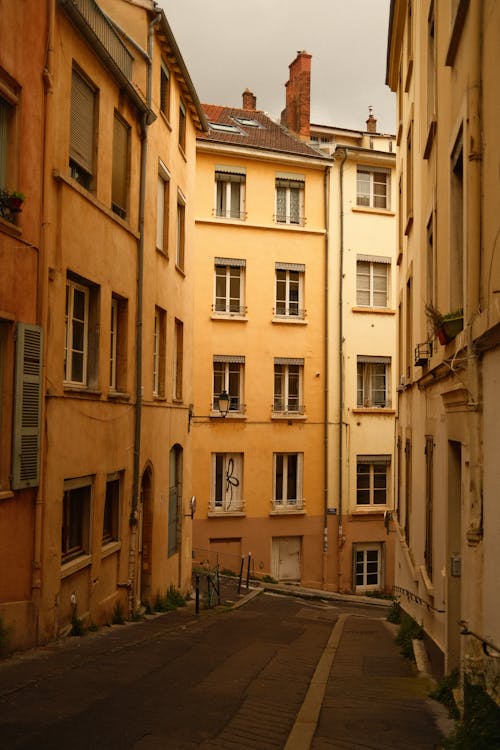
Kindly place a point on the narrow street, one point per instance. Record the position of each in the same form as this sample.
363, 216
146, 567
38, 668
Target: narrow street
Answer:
234, 679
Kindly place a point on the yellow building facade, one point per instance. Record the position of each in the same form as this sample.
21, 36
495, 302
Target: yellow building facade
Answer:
443, 64
261, 244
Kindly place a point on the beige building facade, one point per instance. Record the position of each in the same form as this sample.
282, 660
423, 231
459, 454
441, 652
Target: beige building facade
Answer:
443, 64
109, 523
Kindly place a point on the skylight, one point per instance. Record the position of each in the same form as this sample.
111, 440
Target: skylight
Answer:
224, 127
248, 122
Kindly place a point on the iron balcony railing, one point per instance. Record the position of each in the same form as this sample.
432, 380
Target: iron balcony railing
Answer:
287, 406
229, 309
288, 505
96, 20
282, 311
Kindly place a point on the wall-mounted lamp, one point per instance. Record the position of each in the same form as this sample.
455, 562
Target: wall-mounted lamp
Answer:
222, 400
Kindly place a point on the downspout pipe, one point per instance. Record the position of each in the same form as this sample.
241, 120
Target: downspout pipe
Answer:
341, 365
326, 194
146, 121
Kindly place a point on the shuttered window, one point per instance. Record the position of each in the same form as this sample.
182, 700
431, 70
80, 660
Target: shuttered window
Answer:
82, 130
27, 407
119, 191
4, 120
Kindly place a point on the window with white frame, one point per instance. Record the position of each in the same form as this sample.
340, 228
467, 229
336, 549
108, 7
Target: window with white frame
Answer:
372, 479
111, 516
227, 483
288, 377
230, 192
368, 567
159, 345
229, 286
288, 481
372, 280
373, 187
162, 208
228, 376
373, 387
82, 131
81, 336
290, 290
75, 527
290, 199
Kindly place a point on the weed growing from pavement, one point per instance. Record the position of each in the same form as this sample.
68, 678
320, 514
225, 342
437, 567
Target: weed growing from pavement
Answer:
443, 692
408, 631
169, 601
268, 579
394, 614
480, 726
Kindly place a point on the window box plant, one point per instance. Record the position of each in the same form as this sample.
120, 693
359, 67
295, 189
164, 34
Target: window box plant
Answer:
447, 326
11, 203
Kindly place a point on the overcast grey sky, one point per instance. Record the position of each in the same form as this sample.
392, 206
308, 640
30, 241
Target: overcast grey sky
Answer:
229, 45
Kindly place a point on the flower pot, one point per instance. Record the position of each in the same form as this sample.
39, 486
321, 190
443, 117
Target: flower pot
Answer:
15, 204
442, 337
452, 327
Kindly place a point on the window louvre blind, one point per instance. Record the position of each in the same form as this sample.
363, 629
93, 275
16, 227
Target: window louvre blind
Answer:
300, 267
365, 358
229, 358
289, 361
373, 258
120, 163
234, 262
380, 458
82, 122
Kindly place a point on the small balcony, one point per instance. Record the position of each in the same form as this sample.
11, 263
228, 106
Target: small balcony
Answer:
423, 354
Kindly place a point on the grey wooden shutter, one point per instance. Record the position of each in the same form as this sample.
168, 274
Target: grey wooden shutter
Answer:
82, 123
27, 407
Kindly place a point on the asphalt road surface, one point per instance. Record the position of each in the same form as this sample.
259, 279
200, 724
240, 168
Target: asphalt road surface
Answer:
231, 680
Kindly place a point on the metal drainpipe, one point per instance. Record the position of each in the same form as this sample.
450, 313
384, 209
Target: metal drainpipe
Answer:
341, 362
326, 193
138, 361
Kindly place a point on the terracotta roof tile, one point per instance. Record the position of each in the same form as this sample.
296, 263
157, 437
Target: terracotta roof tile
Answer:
265, 134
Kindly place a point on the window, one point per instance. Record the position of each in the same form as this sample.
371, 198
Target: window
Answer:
165, 90
290, 199
372, 281
372, 187
162, 212
430, 266
229, 278
227, 480
407, 495
159, 346
409, 176
82, 131
118, 344
179, 359
111, 510
175, 499
290, 290
288, 374
82, 332
180, 243
372, 479
120, 177
230, 193
431, 64
228, 376
373, 381
7, 113
429, 502
457, 226
182, 126
367, 566
76, 518
288, 481
6, 378
409, 327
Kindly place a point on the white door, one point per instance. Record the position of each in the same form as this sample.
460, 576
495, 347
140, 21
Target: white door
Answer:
286, 558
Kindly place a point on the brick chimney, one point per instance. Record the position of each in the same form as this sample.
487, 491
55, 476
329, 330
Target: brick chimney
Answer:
249, 100
371, 123
297, 114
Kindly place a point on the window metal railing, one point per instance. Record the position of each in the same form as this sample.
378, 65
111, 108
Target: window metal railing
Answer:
288, 504
229, 308
284, 311
297, 221
229, 213
287, 406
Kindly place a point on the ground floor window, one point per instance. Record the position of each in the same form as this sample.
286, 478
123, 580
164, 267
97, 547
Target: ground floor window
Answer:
368, 566
76, 519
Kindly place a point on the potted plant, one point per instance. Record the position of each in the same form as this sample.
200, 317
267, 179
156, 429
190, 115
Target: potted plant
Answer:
15, 200
447, 326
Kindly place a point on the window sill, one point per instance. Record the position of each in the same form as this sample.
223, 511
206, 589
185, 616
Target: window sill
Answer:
226, 514
165, 120
374, 410
371, 210
10, 228
229, 316
73, 566
180, 271
287, 511
162, 252
232, 415
288, 417
289, 320
118, 396
110, 548
374, 310
83, 391
6, 495
369, 511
